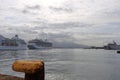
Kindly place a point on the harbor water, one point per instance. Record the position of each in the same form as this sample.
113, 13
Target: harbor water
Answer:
68, 64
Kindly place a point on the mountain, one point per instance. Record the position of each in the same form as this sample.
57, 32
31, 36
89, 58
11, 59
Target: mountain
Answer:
68, 45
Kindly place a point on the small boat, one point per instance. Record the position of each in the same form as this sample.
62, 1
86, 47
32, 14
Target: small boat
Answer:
118, 52
39, 44
112, 46
14, 43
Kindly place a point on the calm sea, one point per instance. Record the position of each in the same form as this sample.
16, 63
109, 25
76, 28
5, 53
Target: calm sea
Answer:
68, 64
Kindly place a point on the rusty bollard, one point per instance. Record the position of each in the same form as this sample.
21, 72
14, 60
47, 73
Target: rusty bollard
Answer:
33, 69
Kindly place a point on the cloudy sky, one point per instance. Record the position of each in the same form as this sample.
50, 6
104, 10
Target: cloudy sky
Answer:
89, 22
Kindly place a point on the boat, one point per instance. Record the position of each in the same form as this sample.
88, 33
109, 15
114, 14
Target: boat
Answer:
39, 44
15, 43
118, 52
112, 46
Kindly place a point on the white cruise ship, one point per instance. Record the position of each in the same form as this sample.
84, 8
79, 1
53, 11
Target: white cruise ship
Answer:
39, 44
14, 43
112, 46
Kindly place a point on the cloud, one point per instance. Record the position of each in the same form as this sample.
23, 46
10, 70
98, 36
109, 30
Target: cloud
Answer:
35, 7
19, 11
72, 21
114, 23
59, 9
65, 25
31, 9
25, 11
114, 12
28, 9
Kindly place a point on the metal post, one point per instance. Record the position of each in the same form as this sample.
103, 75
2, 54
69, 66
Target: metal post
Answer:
33, 69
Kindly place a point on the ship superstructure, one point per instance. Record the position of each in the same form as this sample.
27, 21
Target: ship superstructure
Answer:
39, 44
14, 43
112, 46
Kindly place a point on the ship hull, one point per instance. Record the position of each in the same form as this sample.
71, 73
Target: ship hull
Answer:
115, 47
112, 46
13, 48
38, 47
37, 44
34, 46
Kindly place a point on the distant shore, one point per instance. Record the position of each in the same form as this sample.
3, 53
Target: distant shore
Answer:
9, 77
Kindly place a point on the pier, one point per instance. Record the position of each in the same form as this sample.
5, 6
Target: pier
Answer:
9, 77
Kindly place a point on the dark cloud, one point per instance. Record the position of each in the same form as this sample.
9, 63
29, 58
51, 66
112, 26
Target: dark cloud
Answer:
112, 12
69, 25
28, 9
65, 25
58, 9
114, 23
59, 36
1, 9
25, 11
31, 9
14, 9
9, 18
23, 29
35, 7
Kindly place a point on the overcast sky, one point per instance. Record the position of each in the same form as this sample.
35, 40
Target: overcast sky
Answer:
89, 22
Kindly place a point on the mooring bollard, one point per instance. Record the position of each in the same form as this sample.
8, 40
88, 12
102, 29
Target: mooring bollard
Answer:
33, 69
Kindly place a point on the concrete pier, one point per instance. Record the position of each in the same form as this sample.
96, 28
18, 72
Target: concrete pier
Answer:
8, 77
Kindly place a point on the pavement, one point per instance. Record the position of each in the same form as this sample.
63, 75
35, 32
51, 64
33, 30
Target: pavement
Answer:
9, 77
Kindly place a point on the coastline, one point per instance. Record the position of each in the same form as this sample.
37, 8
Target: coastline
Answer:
9, 77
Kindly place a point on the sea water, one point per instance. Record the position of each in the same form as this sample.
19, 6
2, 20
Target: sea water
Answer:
67, 64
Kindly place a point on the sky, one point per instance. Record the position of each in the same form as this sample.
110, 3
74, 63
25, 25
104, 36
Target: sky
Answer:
63, 22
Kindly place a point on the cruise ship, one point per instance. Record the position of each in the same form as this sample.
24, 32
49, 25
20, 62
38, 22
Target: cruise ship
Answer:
39, 44
112, 46
15, 43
